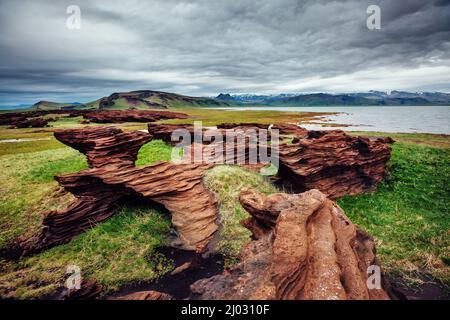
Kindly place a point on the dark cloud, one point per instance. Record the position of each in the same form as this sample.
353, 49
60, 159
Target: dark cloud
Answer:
205, 47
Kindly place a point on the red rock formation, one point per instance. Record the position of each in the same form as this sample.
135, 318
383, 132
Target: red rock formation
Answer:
291, 129
30, 119
333, 162
113, 178
29, 123
164, 131
105, 145
118, 116
306, 248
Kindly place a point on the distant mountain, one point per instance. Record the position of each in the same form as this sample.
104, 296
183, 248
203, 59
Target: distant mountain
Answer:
371, 98
149, 99
50, 105
142, 99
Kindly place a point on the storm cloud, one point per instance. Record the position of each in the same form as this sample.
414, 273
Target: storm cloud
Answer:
206, 47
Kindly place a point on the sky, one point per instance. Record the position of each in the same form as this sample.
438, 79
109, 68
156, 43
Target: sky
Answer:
202, 48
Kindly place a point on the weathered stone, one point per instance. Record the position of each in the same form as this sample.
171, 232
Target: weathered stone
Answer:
333, 162
308, 249
113, 178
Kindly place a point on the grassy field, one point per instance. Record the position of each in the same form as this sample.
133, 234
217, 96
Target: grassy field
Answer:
211, 117
408, 215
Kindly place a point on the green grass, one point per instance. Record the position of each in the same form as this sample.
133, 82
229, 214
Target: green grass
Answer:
211, 117
27, 188
153, 151
226, 182
409, 215
117, 252
436, 140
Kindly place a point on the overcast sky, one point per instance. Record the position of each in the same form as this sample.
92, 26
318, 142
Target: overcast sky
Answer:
205, 47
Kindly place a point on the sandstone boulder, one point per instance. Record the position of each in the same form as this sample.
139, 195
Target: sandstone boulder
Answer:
306, 249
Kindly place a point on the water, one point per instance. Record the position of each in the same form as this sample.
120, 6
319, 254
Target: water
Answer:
408, 119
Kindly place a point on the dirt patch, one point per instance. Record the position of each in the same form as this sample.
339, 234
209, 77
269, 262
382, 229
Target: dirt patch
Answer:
177, 284
430, 289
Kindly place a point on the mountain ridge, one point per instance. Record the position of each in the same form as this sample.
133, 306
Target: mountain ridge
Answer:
139, 99
151, 99
371, 98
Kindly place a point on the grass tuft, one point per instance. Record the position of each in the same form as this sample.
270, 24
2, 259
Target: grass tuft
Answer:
226, 182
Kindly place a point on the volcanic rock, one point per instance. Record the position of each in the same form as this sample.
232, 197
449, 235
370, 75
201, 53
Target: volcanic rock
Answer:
306, 249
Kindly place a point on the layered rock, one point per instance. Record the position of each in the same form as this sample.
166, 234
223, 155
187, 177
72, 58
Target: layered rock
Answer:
32, 119
105, 145
333, 162
206, 135
113, 179
304, 248
30, 123
119, 116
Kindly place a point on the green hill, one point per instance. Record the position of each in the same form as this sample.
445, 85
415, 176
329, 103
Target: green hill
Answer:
142, 99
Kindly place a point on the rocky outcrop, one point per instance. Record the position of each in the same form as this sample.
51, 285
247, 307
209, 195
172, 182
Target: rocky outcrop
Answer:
32, 119
105, 145
164, 131
305, 248
113, 179
119, 116
291, 129
333, 162
30, 123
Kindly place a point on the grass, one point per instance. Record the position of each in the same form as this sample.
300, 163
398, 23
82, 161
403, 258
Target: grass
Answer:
226, 182
116, 252
27, 188
153, 151
435, 140
409, 215
211, 117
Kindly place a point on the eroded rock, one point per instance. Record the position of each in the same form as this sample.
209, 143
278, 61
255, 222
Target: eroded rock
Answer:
305, 249
113, 178
333, 162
